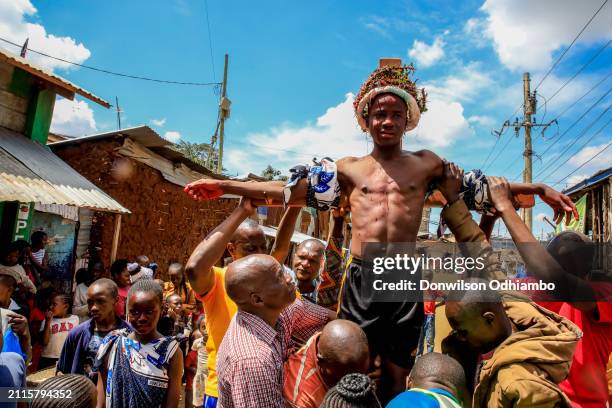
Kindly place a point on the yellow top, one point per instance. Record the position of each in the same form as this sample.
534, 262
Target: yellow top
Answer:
219, 310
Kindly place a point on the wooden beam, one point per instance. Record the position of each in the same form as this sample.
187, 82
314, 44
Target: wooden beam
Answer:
390, 62
116, 235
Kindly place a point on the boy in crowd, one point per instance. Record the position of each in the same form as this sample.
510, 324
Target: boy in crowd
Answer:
81, 346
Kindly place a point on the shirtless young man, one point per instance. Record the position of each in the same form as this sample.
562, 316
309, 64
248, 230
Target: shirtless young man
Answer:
386, 193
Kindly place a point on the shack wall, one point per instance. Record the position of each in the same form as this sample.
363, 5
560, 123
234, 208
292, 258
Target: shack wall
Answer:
165, 223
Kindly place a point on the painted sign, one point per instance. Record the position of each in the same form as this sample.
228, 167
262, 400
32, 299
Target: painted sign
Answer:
23, 221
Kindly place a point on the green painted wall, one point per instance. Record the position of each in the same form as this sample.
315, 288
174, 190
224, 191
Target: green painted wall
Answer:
40, 114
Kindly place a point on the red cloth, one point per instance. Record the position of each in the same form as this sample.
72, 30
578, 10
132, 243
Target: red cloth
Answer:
587, 383
190, 361
120, 306
304, 387
250, 358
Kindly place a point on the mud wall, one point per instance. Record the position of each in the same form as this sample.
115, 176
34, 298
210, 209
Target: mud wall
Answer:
165, 224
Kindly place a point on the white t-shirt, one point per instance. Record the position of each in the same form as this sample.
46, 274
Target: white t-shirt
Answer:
59, 332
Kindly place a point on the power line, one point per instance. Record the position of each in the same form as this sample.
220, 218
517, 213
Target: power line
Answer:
112, 72
499, 153
212, 59
570, 46
570, 127
579, 71
500, 133
585, 163
581, 147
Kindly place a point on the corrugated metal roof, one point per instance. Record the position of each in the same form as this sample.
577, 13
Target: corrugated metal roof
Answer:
149, 139
22, 63
30, 172
594, 179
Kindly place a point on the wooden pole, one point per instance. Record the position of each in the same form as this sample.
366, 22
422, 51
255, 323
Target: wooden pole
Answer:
223, 114
116, 234
528, 110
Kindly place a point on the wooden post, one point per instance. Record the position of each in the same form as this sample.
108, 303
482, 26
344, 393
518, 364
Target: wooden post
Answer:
116, 235
224, 113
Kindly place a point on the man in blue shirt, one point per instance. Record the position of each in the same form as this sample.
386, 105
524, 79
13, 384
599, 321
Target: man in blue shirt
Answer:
81, 346
12, 371
436, 381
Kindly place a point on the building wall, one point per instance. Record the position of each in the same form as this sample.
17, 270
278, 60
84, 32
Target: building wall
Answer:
13, 107
165, 223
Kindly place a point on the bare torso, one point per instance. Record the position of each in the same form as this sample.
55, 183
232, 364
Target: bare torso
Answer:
386, 196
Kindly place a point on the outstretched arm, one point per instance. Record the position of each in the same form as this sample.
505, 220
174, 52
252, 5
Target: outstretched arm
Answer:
200, 263
536, 257
263, 193
282, 243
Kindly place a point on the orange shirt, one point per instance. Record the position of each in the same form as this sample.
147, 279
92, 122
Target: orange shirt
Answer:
219, 310
304, 386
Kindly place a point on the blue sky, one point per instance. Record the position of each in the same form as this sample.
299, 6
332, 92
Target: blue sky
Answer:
294, 67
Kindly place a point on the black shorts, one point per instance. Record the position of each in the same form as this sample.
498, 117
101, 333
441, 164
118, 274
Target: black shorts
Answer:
393, 328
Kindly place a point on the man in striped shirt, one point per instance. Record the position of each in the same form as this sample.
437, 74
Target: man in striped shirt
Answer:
341, 348
251, 355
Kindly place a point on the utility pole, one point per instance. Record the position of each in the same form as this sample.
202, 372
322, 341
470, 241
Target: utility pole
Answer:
225, 111
528, 110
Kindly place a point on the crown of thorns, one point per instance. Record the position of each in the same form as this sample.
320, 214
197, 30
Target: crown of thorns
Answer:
400, 77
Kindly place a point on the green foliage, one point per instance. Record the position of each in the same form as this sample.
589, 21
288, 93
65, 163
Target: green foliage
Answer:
199, 153
270, 173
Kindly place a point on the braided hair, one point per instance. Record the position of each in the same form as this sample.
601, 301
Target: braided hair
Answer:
352, 391
149, 286
83, 393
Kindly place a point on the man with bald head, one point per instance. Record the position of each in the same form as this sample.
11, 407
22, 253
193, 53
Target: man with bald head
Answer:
81, 346
435, 381
341, 348
251, 355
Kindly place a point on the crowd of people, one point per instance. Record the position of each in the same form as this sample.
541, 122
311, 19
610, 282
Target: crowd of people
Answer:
282, 328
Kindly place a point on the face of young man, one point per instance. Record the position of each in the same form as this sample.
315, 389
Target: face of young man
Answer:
100, 302
11, 258
7, 287
387, 119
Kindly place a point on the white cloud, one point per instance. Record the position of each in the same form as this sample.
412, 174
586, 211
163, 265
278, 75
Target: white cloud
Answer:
540, 216
465, 85
72, 118
486, 121
336, 134
158, 122
441, 125
575, 179
526, 33
602, 161
172, 136
14, 27
379, 25
427, 55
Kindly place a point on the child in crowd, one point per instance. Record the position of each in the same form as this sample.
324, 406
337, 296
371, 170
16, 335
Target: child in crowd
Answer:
199, 345
37, 319
174, 321
140, 367
352, 391
58, 322
37, 255
121, 276
9, 258
79, 305
178, 284
191, 364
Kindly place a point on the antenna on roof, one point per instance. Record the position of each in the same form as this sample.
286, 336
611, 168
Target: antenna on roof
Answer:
24, 48
118, 113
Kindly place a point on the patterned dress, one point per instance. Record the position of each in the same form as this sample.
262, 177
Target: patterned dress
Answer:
137, 373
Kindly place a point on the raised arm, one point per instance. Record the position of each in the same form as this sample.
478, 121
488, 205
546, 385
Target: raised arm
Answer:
263, 193
537, 259
210, 250
282, 243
